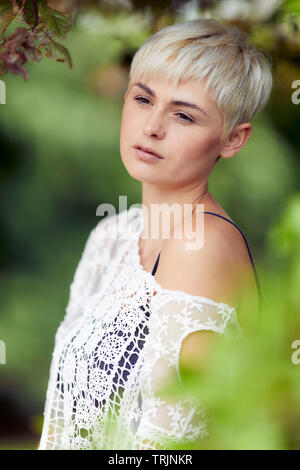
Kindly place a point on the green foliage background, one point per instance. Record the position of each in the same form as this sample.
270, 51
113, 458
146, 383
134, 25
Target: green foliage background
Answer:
60, 159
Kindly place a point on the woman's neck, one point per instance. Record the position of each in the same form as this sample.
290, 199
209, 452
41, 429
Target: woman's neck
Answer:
165, 211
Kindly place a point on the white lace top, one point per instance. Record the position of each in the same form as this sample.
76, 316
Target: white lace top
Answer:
118, 343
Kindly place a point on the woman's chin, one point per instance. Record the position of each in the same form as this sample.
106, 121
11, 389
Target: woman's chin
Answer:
143, 174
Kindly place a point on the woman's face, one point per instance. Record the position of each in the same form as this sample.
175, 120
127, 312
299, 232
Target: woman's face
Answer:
182, 124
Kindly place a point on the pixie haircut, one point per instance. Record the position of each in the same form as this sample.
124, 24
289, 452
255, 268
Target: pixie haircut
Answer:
237, 73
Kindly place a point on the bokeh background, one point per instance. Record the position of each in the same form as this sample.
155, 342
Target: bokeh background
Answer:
60, 159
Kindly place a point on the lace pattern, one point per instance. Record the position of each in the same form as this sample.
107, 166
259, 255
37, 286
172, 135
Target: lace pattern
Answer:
118, 343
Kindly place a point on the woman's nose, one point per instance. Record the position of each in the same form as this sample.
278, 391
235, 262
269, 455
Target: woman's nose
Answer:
154, 126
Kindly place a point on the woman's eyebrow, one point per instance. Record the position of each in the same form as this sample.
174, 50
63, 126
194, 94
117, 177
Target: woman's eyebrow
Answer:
177, 102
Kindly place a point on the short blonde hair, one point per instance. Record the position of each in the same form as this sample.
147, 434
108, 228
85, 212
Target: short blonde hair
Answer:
238, 74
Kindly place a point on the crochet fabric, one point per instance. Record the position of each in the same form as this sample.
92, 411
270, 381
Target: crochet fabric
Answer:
118, 344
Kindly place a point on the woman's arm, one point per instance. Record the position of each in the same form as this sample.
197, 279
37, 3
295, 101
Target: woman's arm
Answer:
185, 332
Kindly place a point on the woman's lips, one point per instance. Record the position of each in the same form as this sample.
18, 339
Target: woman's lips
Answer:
146, 156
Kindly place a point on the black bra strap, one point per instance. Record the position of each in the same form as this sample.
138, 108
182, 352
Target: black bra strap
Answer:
155, 265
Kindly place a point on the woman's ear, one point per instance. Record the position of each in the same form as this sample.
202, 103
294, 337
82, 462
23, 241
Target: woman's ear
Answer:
236, 140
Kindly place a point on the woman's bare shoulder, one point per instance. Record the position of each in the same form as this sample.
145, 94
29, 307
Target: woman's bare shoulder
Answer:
215, 269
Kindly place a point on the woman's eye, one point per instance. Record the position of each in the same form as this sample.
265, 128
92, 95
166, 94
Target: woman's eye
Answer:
140, 98
182, 117
185, 117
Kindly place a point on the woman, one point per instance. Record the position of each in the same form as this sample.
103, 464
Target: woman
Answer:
140, 307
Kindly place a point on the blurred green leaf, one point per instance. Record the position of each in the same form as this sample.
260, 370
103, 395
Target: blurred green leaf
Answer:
7, 15
285, 235
56, 22
57, 51
291, 6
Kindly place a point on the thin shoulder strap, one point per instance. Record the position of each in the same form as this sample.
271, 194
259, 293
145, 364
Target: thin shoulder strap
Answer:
155, 265
260, 296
